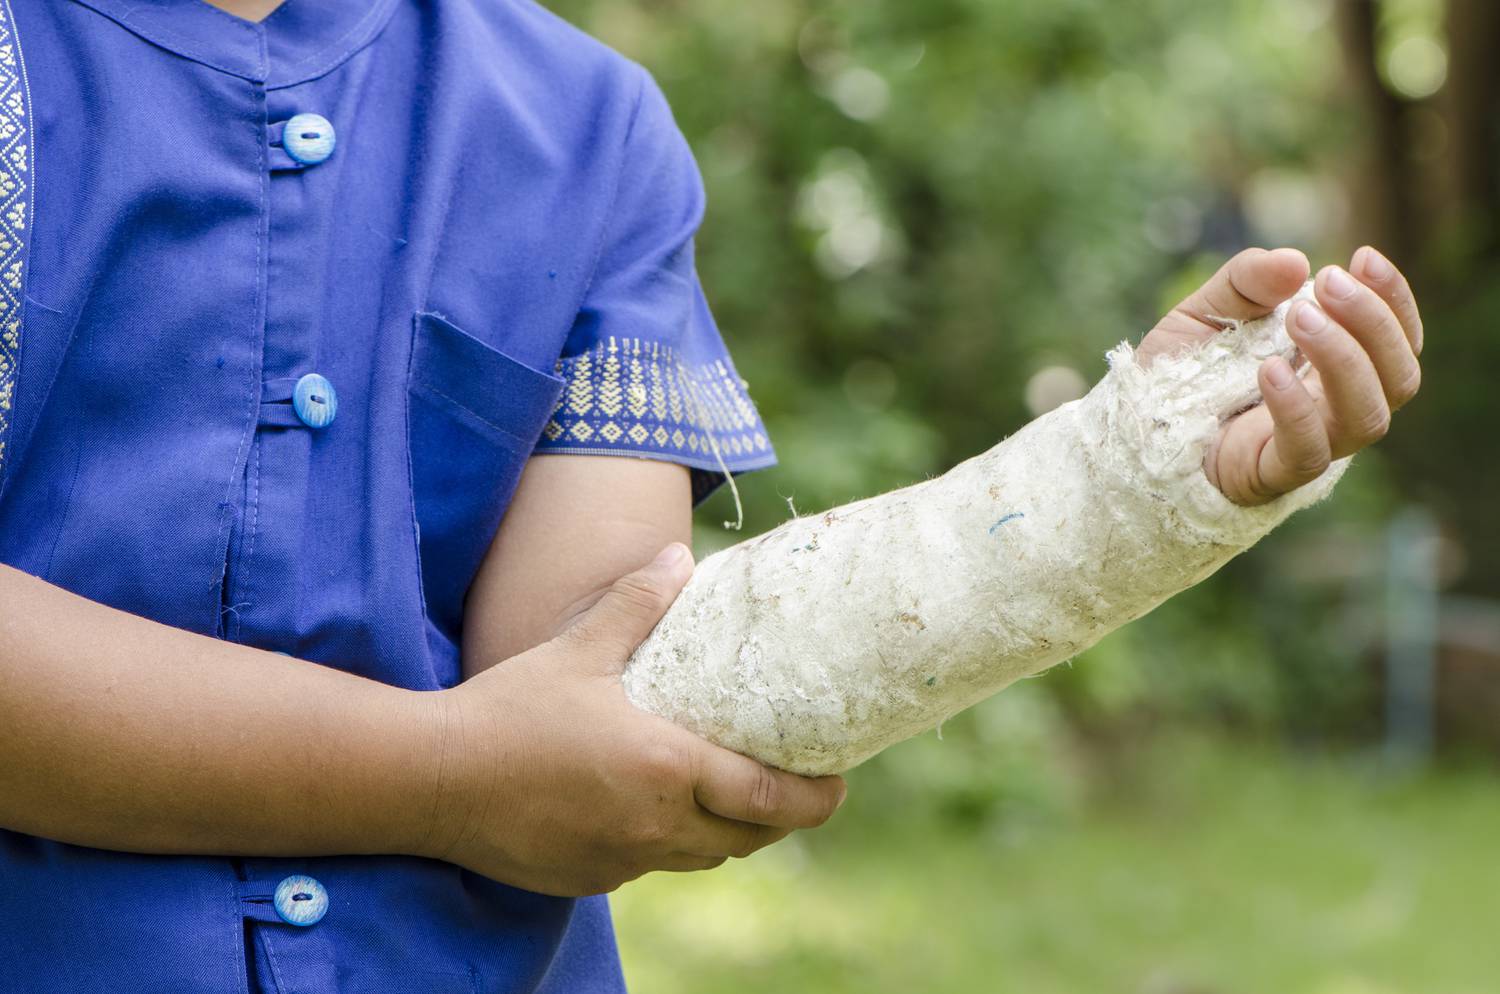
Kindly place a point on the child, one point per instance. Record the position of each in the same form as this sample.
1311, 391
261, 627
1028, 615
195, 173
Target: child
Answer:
293, 295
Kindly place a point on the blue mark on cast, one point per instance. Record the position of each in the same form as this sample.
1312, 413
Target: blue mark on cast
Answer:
1009, 517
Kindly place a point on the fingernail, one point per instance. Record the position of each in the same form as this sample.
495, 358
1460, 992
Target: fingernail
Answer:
1280, 374
1340, 283
1310, 317
1376, 266
671, 555
843, 793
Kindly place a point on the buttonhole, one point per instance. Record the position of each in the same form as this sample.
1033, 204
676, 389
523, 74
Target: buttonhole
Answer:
311, 135
301, 897
317, 400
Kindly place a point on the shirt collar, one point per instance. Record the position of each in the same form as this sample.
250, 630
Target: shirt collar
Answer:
301, 40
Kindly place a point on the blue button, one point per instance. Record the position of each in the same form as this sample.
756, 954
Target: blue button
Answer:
300, 900
308, 138
314, 401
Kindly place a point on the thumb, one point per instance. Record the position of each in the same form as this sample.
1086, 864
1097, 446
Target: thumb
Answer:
606, 634
1246, 287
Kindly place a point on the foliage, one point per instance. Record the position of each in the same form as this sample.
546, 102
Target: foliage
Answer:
914, 208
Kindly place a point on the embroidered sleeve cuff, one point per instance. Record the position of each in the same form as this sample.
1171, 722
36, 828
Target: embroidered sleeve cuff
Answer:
631, 397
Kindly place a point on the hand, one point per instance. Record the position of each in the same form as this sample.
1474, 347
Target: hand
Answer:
1362, 339
554, 782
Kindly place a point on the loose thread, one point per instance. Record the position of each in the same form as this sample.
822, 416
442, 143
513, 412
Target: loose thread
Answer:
708, 432
1009, 517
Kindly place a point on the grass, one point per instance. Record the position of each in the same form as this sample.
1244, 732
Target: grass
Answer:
1189, 866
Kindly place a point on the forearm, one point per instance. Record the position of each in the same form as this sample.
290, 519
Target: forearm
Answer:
818, 644
121, 733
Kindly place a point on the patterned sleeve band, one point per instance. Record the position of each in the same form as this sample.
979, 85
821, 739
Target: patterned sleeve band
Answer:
626, 396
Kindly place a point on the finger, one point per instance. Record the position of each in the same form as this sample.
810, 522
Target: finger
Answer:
610, 631
713, 837
1299, 449
1248, 286
1379, 274
1354, 402
686, 862
1374, 325
732, 786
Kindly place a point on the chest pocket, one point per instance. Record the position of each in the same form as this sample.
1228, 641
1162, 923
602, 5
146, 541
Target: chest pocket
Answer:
474, 416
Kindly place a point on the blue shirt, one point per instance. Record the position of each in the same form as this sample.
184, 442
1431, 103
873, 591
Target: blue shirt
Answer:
476, 225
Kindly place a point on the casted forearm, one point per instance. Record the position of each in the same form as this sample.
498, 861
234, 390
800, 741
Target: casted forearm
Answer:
818, 644
120, 733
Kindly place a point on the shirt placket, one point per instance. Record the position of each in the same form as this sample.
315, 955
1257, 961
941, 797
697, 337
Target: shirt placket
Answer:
298, 403
298, 406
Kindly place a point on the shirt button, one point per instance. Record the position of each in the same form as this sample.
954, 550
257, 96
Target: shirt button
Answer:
315, 401
300, 900
308, 138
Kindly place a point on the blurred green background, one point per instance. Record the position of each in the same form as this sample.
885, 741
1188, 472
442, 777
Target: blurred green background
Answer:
927, 221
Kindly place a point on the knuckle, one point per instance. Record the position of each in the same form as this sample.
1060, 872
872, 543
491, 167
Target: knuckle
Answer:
614, 883
1345, 365
749, 840
1373, 426
1390, 331
1404, 305
1306, 423
1309, 463
1349, 358
1407, 388
663, 762
576, 637
828, 803
766, 794
598, 883
1249, 489
1305, 443
653, 830
628, 870
640, 593
1370, 319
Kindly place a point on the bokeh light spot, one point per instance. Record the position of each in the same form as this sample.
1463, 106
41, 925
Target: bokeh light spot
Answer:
1053, 386
860, 93
1416, 67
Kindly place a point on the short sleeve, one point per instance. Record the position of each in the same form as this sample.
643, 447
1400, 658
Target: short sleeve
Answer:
645, 369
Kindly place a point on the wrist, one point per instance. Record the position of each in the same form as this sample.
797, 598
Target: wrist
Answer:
395, 770
455, 756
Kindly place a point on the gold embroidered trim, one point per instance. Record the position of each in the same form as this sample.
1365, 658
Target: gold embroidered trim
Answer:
15, 198
631, 395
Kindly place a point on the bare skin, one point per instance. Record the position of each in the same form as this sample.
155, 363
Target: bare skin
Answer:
247, 10
121, 733
1362, 339
609, 796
